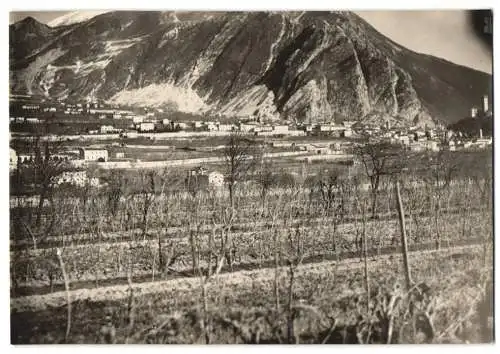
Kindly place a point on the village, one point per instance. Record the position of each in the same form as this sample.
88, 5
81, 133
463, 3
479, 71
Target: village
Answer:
305, 142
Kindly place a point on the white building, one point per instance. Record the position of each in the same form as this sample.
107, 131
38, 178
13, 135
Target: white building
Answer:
264, 133
197, 124
211, 126
12, 159
216, 179
106, 129
483, 142
247, 128
280, 129
76, 178
93, 154
225, 127
138, 119
32, 120
431, 145
130, 134
417, 146
296, 133
31, 107
485, 104
147, 127
404, 139
347, 133
182, 125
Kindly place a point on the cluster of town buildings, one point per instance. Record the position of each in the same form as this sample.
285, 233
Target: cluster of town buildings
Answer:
149, 122
141, 124
414, 138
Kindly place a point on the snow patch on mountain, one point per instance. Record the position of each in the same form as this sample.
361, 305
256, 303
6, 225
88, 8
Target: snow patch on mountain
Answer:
74, 17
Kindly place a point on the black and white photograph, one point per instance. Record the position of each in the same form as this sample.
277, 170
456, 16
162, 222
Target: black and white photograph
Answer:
251, 177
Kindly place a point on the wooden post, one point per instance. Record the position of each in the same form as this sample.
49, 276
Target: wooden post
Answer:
403, 236
68, 296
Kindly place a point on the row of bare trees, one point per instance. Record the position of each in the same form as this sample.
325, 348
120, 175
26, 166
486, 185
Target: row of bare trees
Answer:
149, 201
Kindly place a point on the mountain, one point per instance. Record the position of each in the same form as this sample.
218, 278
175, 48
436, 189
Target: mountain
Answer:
26, 36
305, 66
74, 17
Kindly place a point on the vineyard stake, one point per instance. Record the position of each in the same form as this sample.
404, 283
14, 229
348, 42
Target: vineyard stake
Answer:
404, 244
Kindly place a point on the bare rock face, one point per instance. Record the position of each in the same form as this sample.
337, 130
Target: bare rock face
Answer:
301, 66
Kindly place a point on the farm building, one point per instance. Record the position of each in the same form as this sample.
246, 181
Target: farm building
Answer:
100, 155
199, 179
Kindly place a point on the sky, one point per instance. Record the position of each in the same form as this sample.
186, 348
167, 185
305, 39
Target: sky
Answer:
443, 33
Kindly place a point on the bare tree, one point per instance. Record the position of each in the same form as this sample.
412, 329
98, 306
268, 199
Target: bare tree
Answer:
380, 159
441, 169
169, 183
332, 189
148, 184
241, 155
266, 180
116, 187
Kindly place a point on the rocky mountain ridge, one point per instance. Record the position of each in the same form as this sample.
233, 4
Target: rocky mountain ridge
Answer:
302, 66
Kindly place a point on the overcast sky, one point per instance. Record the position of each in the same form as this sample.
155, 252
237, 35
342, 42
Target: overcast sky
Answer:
446, 34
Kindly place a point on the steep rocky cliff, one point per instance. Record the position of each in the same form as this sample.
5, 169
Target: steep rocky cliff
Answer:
304, 66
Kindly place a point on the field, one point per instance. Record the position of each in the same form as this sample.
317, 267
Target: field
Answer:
311, 260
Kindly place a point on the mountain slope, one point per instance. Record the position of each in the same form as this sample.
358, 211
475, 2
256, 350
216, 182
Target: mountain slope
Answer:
305, 66
471, 126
